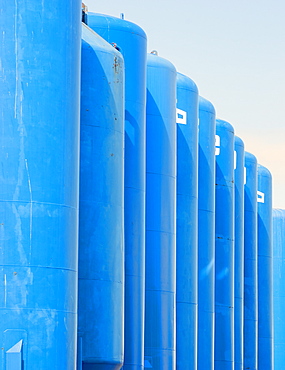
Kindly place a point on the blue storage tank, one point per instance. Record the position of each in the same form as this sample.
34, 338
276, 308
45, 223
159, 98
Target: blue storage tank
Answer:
131, 40
265, 277
206, 234
239, 252
160, 324
187, 223
101, 195
39, 146
250, 263
279, 287
224, 246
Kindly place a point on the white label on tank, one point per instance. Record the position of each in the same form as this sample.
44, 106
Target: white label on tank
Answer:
218, 145
181, 116
235, 160
260, 197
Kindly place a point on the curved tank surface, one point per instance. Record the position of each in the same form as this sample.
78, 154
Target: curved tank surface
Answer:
265, 277
239, 252
206, 234
160, 215
224, 246
279, 287
131, 40
39, 149
101, 192
250, 262
187, 223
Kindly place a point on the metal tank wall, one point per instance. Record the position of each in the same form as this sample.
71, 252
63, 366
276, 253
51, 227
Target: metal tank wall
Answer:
250, 263
224, 246
239, 253
131, 40
206, 234
279, 287
160, 336
187, 223
39, 148
101, 196
265, 273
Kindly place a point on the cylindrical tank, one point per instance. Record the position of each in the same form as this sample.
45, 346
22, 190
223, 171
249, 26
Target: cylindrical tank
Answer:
239, 252
187, 222
224, 246
265, 277
131, 40
279, 287
101, 217
250, 263
39, 146
206, 234
160, 324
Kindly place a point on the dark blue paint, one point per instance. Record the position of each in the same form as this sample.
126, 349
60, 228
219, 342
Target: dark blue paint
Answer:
187, 223
161, 215
224, 247
239, 253
250, 263
265, 277
206, 234
131, 41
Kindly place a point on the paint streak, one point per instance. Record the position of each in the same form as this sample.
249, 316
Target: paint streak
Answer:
31, 206
18, 114
5, 290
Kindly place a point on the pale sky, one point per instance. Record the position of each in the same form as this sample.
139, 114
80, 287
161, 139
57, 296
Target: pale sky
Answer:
235, 53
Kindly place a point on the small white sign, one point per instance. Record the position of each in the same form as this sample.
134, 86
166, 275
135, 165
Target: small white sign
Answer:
260, 197
181, 116
218, 145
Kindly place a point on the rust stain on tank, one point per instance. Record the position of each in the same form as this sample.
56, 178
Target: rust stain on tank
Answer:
116, 65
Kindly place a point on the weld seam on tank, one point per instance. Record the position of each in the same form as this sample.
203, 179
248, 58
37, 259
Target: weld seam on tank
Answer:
161, 290
163, 349
188, 196
40, 203
103, 129
161, 174
102, 203
42, 267
187, 303
161, 231
107, 280
43, 310
206, 210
